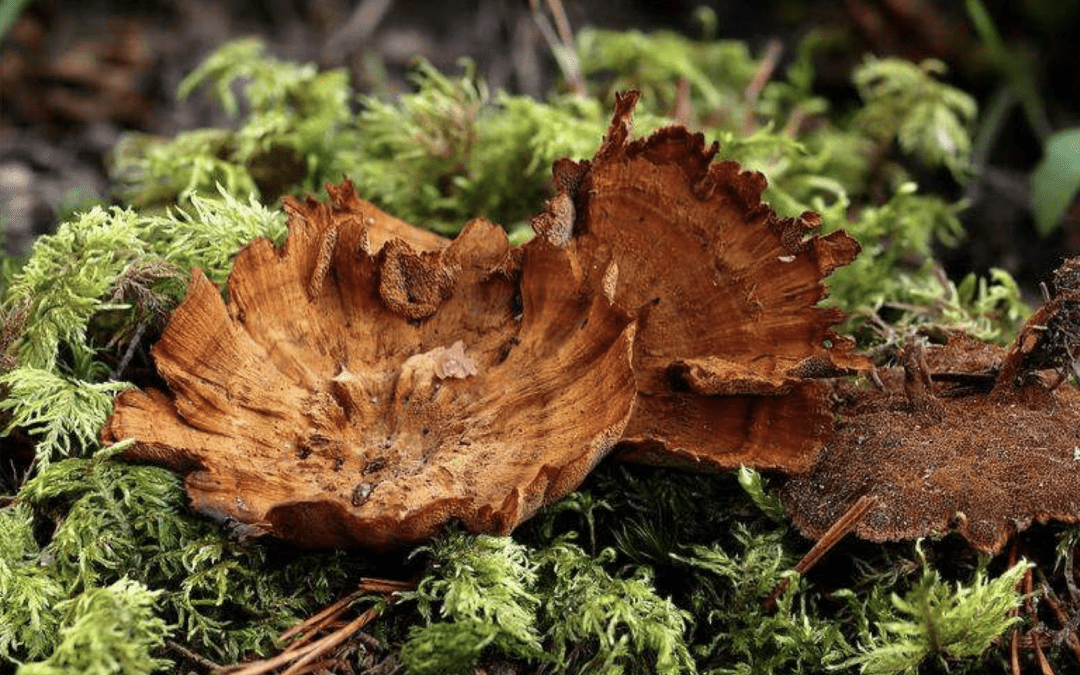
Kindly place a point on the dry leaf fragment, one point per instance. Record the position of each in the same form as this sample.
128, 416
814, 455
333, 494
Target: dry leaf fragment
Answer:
725, 292
349, 394
986, 461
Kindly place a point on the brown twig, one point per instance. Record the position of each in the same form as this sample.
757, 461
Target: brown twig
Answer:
300, 655
681, 111
192, 656
561, 43
753, 90
839, 529
1014, 637
1055, 607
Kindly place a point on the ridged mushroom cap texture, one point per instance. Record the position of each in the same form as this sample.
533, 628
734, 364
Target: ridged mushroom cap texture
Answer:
731, 345
369, 382
347, 395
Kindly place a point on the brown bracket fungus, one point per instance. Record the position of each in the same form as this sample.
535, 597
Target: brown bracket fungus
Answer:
729, 335
359, 394
964, 436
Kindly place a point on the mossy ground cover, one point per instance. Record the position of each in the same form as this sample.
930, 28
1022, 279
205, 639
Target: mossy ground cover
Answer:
104, 568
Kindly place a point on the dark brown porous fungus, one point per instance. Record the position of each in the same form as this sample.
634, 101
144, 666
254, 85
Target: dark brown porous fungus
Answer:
730, 339
367, 383
938, 450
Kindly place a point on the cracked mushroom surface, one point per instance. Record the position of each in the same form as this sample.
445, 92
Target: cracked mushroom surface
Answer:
730, 341
359, 394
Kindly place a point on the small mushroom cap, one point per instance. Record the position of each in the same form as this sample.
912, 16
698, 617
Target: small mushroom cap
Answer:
356, 395
725, 292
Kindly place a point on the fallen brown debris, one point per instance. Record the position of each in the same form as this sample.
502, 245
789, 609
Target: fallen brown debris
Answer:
964, 436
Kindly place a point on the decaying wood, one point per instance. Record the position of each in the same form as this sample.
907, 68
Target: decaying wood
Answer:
730, 337
352, 393
938, 453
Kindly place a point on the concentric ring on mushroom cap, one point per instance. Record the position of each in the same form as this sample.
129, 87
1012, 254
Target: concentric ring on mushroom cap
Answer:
318, 406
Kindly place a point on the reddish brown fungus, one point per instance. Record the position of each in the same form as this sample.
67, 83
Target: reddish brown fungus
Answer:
939, 449
352, 393
725, 291
371, 381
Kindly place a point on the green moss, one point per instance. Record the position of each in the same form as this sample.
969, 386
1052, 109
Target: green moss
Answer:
28, 592
295, 134
941, 620
904, 102
554, 605
106, 631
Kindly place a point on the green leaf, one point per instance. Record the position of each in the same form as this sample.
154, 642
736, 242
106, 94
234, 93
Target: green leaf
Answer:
1056, 179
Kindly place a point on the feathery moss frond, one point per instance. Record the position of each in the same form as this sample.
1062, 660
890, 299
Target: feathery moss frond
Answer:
740, 637
62, 284
907, 102
294, 134
611, 624
66, 414
486, 579
938, 619
107, 631
29, 595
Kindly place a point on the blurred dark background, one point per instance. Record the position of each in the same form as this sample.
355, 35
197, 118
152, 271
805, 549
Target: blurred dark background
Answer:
75, 75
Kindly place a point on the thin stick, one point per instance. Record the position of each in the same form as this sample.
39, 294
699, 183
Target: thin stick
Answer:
334, 639
837, 531
334, 610
319, 620
1040, 658
1059, 614
1014, 652
1029, 591
765, 70
1014, 646
188, 654
681, 110
129, 353
561, 49
360, 26
302, 652
562, 24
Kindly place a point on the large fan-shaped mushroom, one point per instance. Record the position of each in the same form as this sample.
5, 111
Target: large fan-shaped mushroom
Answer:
725, 293
349, 394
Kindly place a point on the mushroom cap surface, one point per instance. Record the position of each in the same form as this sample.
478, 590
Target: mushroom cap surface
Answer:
350, 394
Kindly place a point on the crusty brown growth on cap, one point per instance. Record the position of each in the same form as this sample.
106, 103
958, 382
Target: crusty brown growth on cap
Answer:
347, 396
983, 463
725, 291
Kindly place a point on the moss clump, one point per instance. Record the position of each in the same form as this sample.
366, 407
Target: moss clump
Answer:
935, 619
554, 605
